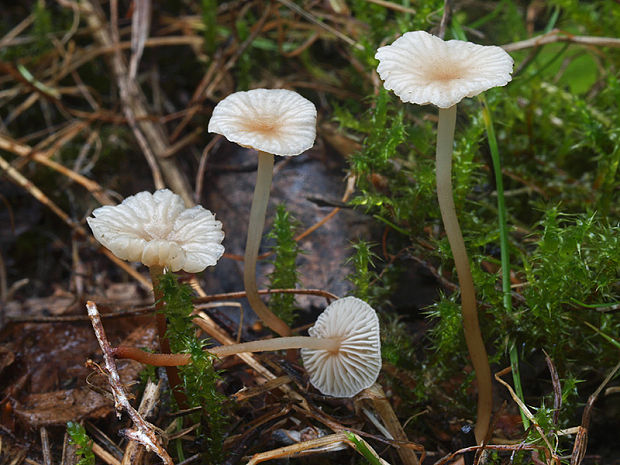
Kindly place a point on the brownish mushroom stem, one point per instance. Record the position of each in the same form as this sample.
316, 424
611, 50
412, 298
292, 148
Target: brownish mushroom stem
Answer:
174, 379
473, 336
255, 234
281, 343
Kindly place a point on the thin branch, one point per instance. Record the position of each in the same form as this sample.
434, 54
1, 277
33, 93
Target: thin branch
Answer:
144, 432
557, 35
200, 301
241, 294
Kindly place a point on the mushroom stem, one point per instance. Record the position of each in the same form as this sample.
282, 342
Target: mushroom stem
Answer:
473, 336
255, 234
281, 343
331, 344
174, 379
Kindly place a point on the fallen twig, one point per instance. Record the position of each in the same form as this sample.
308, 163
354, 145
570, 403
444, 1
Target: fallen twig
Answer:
557, 35
133, 451
144, 432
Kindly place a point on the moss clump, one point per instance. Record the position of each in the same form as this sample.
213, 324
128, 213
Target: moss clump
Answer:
284, 274
199, 377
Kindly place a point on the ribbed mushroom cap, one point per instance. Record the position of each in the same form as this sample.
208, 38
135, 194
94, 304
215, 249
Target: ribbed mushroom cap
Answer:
422, 68
157, 229
276, 121
356, 365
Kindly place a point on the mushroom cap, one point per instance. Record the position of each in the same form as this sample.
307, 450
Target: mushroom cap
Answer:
276, 121
422, 68
356, 365
157, 229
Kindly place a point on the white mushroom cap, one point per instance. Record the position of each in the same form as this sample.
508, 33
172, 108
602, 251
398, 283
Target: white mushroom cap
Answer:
422, 68
157, 229
356, 365
276, 121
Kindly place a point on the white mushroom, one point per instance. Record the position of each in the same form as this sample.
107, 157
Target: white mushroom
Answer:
157, 230
421, 68
356, 363
342, 355
274, 122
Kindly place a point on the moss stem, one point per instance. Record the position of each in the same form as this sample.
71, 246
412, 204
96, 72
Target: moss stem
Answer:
473, 336
280, 343
255, 234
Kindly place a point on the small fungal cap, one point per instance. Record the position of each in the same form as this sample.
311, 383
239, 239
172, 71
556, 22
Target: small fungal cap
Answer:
157, 229
422, 68
356, 365
276, 121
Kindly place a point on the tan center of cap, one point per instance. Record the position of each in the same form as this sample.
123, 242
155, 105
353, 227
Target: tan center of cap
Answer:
266, 127
445, 72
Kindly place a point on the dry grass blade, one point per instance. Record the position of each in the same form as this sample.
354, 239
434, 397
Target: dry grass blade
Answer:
383, 407
140, 23
22, 181
45, 446
393, 6
129, 93
581, 441
557, 389
313, 19
17, 30
217, 72
526, 411
200, 174
311, 447
10, 145
104, 455
499, 447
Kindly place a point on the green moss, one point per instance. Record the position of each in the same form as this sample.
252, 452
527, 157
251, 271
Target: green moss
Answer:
84, 444
199, 377
284, 274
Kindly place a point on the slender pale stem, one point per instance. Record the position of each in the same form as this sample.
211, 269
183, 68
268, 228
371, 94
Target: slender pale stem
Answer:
331, 344
164, 344
255, 234
473, 336
280, 343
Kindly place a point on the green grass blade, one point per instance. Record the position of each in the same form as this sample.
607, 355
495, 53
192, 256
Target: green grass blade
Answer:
503, 241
